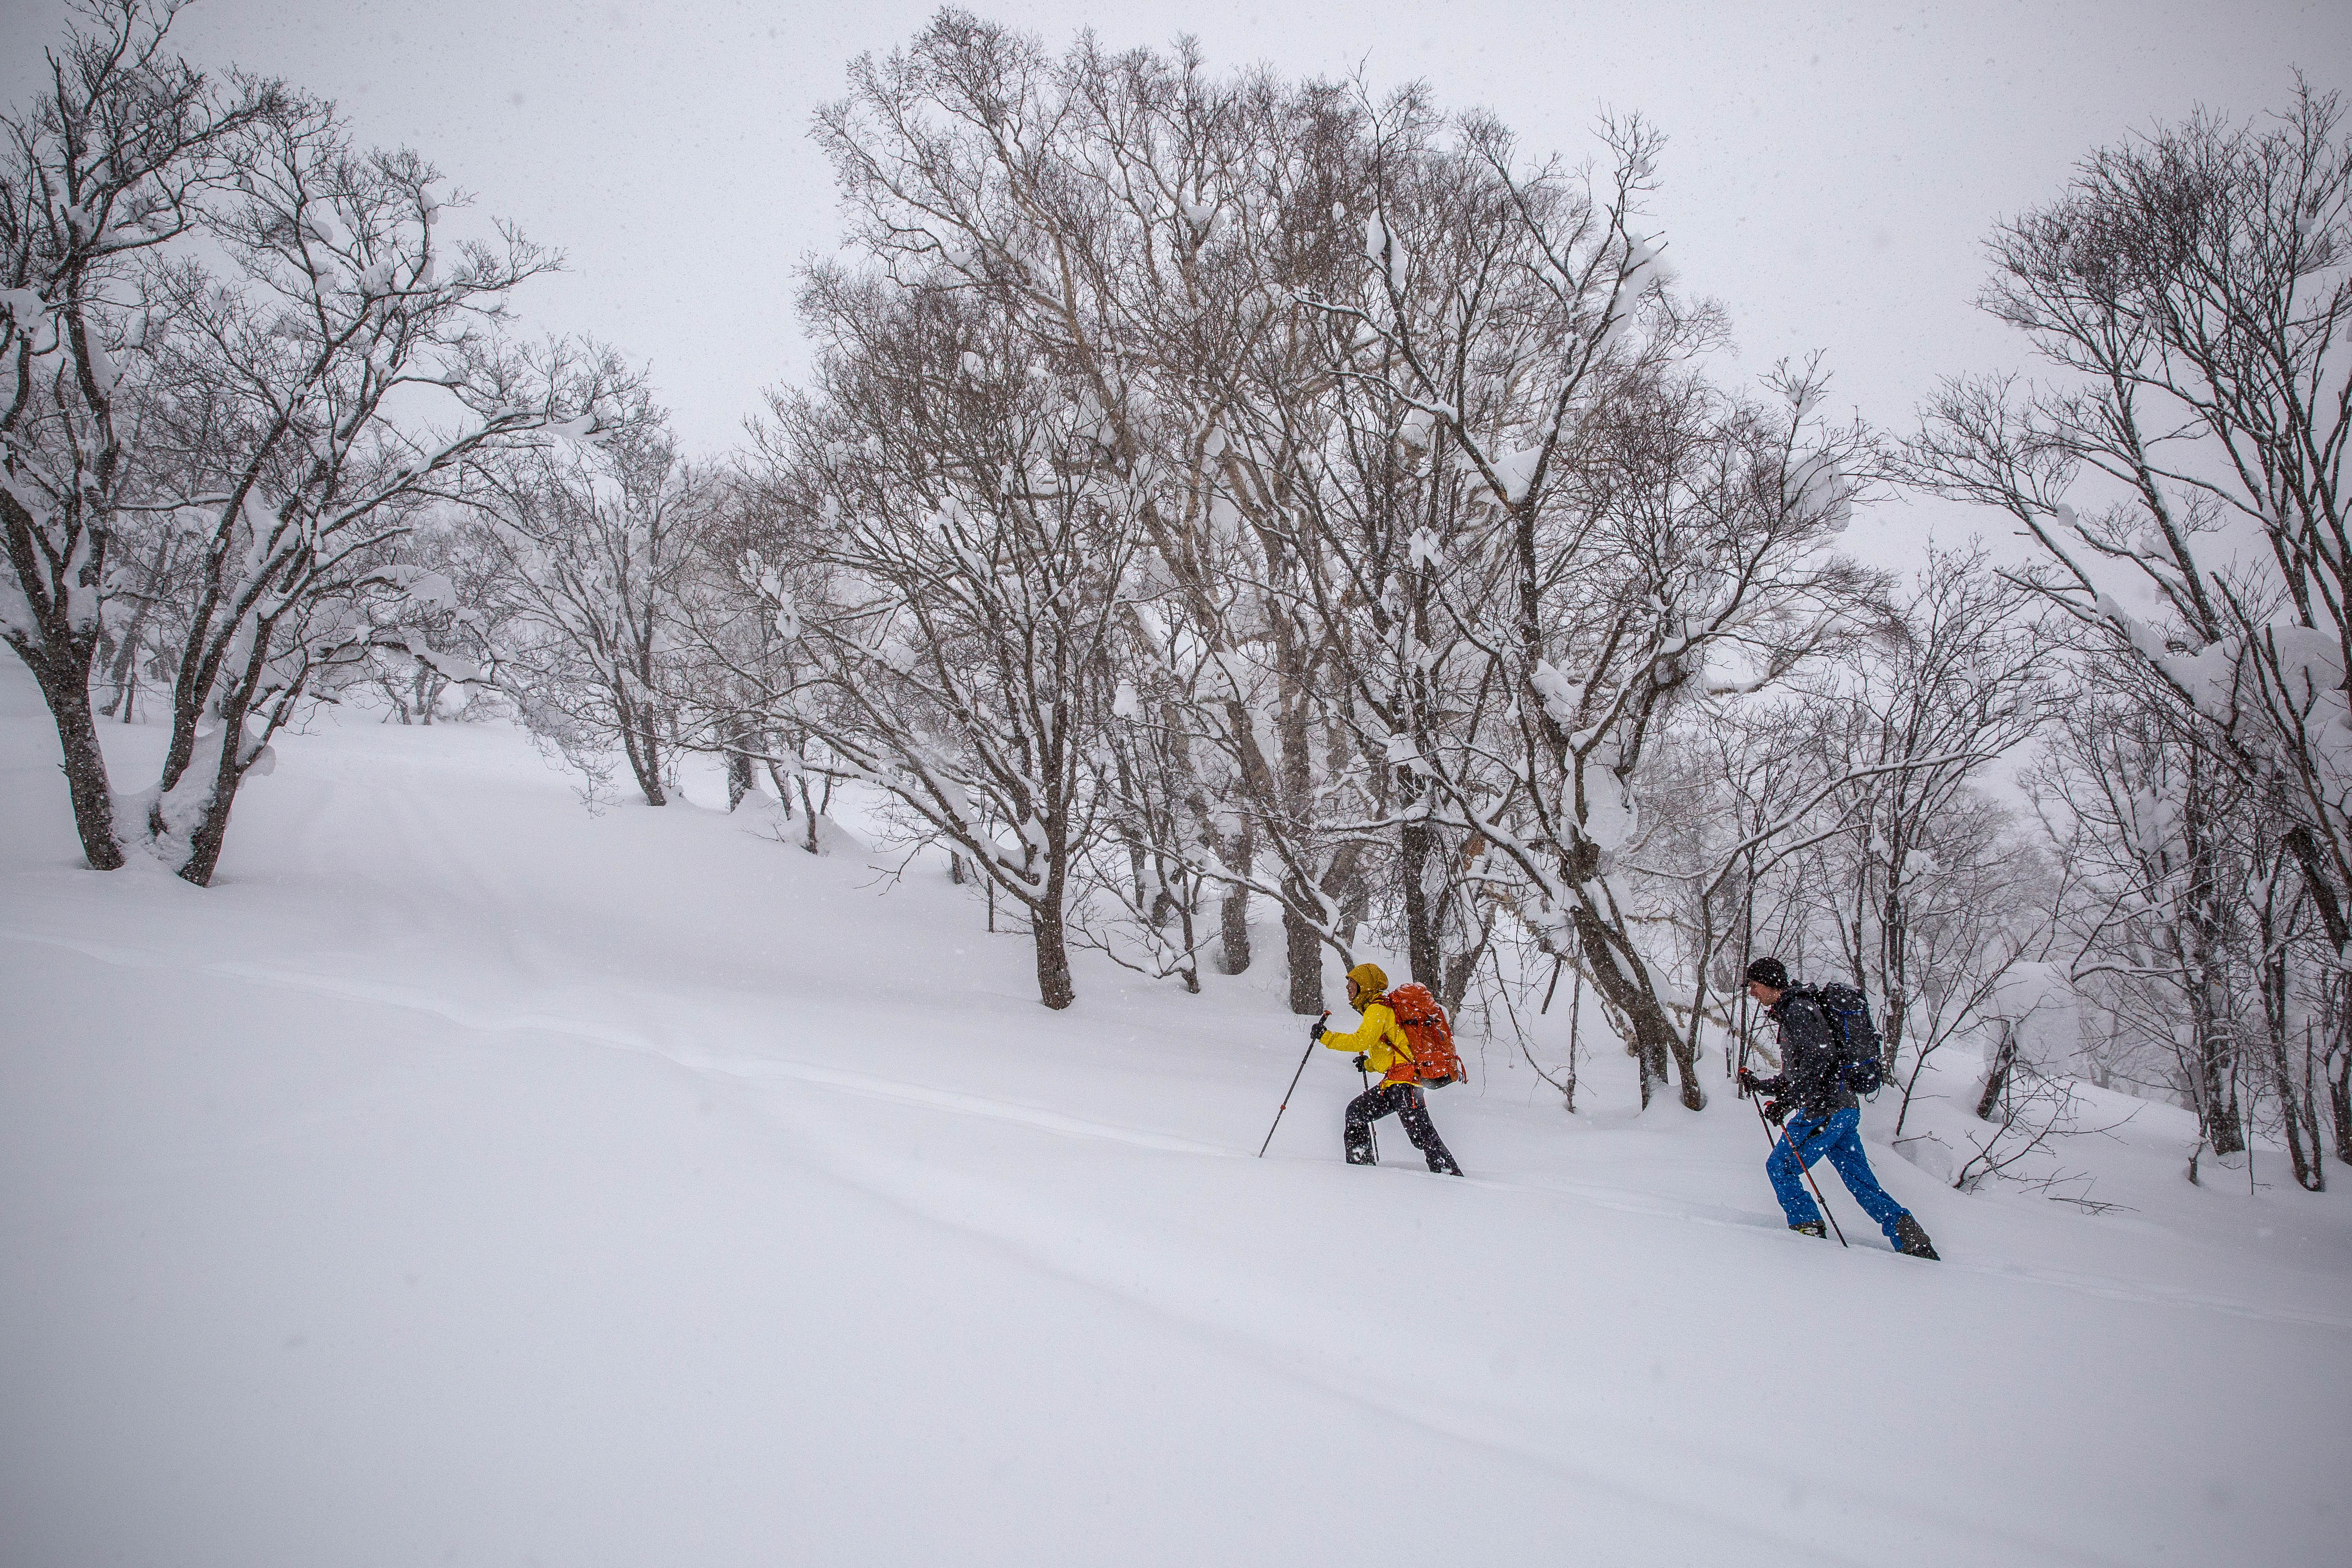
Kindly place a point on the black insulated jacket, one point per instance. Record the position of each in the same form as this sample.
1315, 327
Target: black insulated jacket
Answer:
1813, 1065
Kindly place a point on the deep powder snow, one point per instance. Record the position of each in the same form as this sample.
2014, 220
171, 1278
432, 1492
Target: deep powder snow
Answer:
466, 1178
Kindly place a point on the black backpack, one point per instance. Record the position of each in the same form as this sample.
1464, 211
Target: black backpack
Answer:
1862, 1064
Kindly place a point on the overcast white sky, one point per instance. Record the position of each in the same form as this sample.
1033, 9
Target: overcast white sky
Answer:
1831, 172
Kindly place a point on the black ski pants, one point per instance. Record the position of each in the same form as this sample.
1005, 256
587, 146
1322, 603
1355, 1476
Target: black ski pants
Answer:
1412, 1108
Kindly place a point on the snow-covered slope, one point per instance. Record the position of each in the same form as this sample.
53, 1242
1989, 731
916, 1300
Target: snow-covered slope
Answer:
468, 1179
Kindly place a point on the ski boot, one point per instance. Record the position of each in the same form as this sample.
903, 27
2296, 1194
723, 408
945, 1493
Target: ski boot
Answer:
1813, 1228
1912, 1241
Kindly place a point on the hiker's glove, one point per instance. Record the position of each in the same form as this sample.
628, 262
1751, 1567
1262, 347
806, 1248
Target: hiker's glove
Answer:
1775, 1112
1363, 1064
1316, 1031
1747, 1081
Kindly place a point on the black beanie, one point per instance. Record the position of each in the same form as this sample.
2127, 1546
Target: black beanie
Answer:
1770, 971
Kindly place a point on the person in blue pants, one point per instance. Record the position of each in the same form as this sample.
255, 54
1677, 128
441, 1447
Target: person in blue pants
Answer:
1823, 1116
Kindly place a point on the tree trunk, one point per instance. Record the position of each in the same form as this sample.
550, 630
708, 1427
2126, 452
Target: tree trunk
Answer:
1134, 837
1656, 1041
1897, 1003
2208, 1012
83, 762
229, 765
1893, 940
1191, 970
776, 776
1145, 904
1352, 890
1232, 931
204, 844
1997, 1079
1423, 953
2221, 1119
123, 676
1303, 945
1233, 914
1455, 980
740, 780
2339, 1100
1054, 987
2298, 1104
639, 741
1685, 1051
2303, 1142
1575, 1030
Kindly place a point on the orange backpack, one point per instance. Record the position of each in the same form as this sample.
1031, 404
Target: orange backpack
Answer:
1434, 1061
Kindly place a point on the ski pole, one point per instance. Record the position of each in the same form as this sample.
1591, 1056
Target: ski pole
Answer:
1365, 1078
1313, 1041
1795, 1152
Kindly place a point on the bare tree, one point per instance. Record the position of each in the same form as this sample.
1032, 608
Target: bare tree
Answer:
2189, 289
2141, 812
1642, 521
1694, 546
295, 396
969, 551
2293, 985
442, 638
1916, 720
1840, 825
1147, 232
597, 543
112, 162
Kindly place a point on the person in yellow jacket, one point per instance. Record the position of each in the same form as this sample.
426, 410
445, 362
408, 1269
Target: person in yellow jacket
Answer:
1379, 1043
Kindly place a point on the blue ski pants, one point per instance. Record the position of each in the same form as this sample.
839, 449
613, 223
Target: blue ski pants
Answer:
1839, 1136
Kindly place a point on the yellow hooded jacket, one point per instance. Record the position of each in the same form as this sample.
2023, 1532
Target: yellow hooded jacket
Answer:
1380, 1036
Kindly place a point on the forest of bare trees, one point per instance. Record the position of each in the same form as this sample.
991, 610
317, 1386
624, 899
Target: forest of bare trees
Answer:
1221, 501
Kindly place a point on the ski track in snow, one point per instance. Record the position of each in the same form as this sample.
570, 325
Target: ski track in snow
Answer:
765, 1070
1743, 1517
743, 1069
1760, 1488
